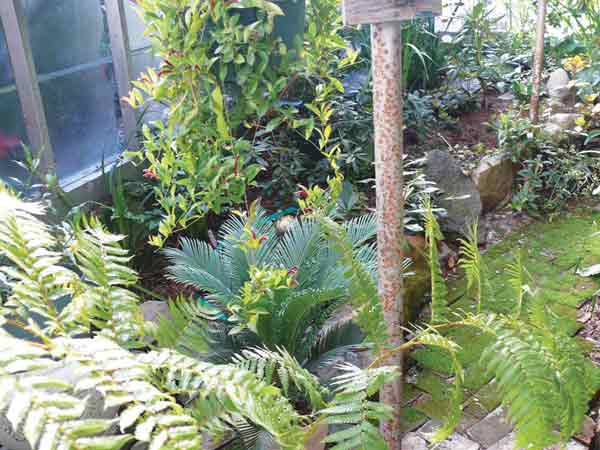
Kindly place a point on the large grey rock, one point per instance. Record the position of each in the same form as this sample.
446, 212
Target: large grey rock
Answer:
566, 121
494, 177
558, 87
460, 196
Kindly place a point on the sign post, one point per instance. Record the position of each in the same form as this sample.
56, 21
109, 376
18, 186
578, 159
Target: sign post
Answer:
386, 43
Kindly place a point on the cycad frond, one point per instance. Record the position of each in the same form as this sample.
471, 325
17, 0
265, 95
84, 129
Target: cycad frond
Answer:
362, 290
361, 229
198, 265
292, 320
352, 407
439, 292
268, 365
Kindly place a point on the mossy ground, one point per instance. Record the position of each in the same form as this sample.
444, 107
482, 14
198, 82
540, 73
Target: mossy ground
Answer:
551, 252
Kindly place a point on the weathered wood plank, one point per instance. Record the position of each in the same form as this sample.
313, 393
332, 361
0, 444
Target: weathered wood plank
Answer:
119, 42
357, 12
19, 48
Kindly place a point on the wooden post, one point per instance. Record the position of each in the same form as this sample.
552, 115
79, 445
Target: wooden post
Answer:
538, 61
386, 42
119, 43
19, 48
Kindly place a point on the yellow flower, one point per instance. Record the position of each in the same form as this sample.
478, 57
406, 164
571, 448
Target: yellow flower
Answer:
590, 98
580, 121
575, 63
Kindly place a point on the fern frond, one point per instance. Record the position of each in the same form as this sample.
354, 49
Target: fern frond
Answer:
362, 290
269, 365
518, 278
104, 299
239, 391
439, 291
543, 378
190, 328
474, 266
40, 282
351, 407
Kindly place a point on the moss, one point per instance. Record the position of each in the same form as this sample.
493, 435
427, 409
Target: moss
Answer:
488, 397
435, 408
412, 418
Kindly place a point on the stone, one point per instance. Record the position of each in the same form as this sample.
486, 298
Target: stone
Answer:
457, 442
565, 121
460, 196
588, 431
558, 87
412, 441
494, 178
491, 429
153, 310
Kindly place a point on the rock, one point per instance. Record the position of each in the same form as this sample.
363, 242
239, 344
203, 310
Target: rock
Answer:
494, 177
154, 309
313, 440
553, 130
460, 196
558, 87
565, 121
412, 441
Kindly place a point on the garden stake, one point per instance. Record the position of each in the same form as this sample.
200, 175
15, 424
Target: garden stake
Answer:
386, 42
385, 17
538, 61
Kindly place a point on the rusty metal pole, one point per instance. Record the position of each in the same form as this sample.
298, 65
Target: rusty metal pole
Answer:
538, 61
386, 42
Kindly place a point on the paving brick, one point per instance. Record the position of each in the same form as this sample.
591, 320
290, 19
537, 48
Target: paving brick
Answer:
412, 441
457, 442
508, 443
491, 429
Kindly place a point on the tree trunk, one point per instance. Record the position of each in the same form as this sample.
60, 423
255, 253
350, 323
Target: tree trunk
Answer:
386, 41
538, 61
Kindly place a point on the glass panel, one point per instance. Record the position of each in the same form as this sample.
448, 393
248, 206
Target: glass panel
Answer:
66, 33
12, 125
135, 27
82, 120
71, 49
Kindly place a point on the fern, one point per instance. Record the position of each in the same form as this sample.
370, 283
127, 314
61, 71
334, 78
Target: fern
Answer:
362, 288
518, 277
39, 280
109, 306
475, 269
439, 292
191, 328
269, 365
352, 407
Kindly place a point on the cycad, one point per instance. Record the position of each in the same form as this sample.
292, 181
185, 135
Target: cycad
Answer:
292, 316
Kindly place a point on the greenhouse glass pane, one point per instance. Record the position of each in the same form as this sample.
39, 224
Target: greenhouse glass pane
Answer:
71, 50
12, 125
135, 27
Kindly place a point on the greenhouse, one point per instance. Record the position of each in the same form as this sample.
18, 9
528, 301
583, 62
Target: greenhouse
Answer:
299, 224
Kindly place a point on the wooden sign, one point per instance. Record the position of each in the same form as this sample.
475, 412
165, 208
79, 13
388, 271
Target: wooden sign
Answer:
358, 12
